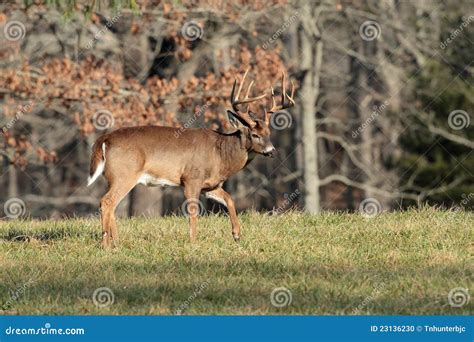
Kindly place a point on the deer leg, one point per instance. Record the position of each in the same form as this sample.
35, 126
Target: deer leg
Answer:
104, 218
108, 204
192, 208
223, 197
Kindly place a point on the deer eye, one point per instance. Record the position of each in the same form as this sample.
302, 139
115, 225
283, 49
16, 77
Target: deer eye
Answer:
256, 136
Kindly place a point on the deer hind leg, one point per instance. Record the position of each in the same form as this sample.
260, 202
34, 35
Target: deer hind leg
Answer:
192, 207
223, 197
108, 204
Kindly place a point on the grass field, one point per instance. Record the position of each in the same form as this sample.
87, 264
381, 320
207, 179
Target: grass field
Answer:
334, 263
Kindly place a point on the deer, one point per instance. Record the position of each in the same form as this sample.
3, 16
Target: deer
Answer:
198, 159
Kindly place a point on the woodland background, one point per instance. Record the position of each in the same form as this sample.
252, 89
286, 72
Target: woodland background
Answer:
383, 107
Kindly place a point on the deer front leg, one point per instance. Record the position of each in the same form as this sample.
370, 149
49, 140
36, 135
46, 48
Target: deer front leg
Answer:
223, 197
192, 207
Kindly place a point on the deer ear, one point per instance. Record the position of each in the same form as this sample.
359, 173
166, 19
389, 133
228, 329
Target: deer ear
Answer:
235, 120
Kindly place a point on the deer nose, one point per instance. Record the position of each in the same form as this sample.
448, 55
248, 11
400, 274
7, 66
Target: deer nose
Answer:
270, 151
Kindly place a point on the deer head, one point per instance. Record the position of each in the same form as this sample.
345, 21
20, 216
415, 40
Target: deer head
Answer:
254, 130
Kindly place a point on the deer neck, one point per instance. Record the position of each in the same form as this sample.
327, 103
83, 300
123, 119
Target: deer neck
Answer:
235, 150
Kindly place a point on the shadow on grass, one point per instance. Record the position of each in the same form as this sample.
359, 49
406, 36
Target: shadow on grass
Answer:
20, 235
249, 291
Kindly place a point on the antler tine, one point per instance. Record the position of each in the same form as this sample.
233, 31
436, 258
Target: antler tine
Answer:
273, 99
291, 98
232, 98
248, 99
287, 101
248, 91
235, 99
252, 99
247, 94
242, 83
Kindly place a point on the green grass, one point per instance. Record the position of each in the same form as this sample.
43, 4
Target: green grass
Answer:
395, 263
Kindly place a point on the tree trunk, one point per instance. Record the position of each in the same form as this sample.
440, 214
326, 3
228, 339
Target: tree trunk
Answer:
311, 60
12, 181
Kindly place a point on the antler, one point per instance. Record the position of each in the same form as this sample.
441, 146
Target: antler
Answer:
236, 102
287, 101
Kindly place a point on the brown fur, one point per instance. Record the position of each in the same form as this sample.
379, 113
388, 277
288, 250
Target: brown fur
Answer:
200, 160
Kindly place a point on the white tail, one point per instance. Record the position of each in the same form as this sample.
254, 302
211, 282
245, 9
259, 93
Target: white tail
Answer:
99, 169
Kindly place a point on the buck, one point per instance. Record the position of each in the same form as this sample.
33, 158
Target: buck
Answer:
200, 160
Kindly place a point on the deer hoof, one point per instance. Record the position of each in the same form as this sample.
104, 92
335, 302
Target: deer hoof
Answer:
236, 238
106, 245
